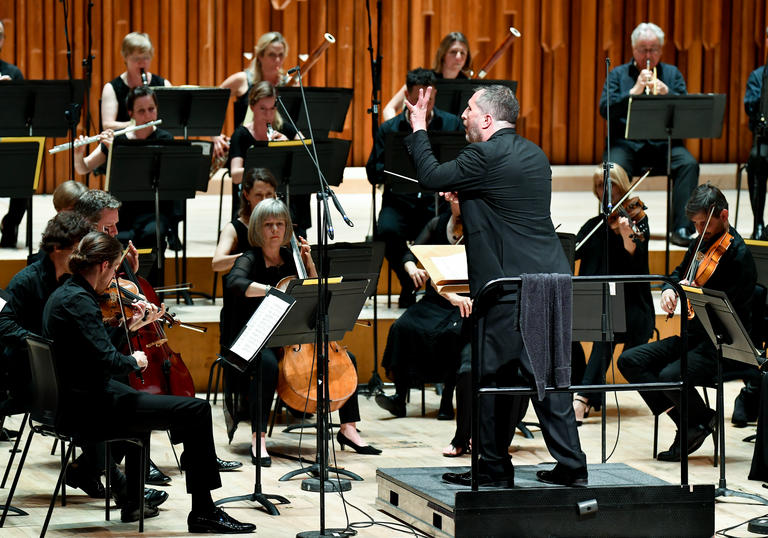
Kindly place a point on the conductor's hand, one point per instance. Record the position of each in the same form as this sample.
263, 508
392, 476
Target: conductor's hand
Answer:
141, 359
419, 110
669, 301
419, 276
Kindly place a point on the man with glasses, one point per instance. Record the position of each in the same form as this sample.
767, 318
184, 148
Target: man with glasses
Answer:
645, 74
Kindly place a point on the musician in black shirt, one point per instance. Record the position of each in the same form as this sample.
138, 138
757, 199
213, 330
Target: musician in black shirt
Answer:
88, 361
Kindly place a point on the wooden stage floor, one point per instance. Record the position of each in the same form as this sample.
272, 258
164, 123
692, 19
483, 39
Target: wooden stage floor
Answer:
412, 441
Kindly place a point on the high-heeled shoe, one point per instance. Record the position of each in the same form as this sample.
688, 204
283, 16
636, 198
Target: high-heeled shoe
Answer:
367, 449
581, 409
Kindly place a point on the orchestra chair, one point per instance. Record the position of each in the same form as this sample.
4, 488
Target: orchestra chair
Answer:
215, 367
45, 412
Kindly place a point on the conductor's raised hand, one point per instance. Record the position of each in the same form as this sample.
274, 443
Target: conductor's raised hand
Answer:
419, 111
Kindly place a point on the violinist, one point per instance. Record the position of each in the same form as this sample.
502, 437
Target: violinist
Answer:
627, 255
72, 319
735, 274
257, 270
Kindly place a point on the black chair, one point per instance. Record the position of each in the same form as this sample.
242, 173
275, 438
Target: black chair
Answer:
44, 415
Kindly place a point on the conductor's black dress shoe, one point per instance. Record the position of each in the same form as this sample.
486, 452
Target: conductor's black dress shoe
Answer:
563, 476
393, 404
218, 522
465, 479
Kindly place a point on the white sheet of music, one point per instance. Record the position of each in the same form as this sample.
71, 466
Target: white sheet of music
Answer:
3, 302
262, 324
452, 267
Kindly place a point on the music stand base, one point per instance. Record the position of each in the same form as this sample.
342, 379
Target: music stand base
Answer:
261, 498
331, 485
375, 385
13, 510
725, 492
314, 469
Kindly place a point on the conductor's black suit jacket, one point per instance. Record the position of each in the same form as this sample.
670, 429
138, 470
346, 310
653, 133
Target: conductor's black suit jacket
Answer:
505, 188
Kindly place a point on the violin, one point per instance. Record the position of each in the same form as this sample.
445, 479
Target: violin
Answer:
633, 209
297, 378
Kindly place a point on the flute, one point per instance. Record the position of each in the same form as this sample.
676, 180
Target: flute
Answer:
94, 138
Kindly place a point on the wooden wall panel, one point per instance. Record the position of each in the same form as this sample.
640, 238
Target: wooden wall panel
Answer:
559, 62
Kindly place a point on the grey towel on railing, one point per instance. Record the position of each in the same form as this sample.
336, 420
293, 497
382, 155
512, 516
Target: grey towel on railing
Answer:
545, 325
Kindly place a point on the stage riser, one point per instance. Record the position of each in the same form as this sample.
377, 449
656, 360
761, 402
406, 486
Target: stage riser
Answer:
616, 507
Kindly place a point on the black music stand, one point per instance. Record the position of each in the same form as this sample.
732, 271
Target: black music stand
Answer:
345, 301
290, 164
732, 341
263, 323
453, 94
21, 158
328, 108
191, 111
446, 146
674, 117
139, 170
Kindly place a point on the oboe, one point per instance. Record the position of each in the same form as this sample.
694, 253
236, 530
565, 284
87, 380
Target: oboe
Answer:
94, 138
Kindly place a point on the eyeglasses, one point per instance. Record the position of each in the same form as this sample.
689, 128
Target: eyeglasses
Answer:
651, 50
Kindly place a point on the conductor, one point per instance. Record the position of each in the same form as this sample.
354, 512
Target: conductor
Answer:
504, 185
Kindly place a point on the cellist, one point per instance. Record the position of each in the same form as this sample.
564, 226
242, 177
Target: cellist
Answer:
255, 272
659, 361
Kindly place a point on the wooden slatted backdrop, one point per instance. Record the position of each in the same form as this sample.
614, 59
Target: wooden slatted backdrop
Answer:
559, 61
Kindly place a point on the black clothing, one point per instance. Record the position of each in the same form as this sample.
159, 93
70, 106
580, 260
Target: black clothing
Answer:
403, 216
757, 164
239, 143
638, 303
241, 231
14, 369
660, 361
250, 267
87, 360
122, 90
16, 206
636, 155
505, 187
240, 106
424, 343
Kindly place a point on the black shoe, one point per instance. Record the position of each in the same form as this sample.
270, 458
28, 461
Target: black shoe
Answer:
465, 479
266, 461
563, 476
152, 498
130, 513
445, 413
76, 477
759, 231
367, 449
155, 476
225, 466
746, 406
218, 522
680, 237
696, 437
393, 404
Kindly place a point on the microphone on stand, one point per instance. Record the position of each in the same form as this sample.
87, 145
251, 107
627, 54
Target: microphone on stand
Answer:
292, 70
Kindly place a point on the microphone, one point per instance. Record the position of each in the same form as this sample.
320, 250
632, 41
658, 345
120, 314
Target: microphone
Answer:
340, 209
292, 70
144, 80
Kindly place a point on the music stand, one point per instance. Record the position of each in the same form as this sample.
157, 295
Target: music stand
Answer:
728, 335
191, 111
674, 117
139, 170
245, 350
345, 301
453, 94
446, 146
759, 251
21, 158
328, 108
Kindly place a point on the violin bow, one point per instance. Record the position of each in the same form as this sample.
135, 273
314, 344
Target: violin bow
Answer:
615, 206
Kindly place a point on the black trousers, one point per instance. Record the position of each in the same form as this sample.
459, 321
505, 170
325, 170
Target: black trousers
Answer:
130, 413
506, 364
685, 172
759, 469
757, 174
401, 219
16, 209
660, 362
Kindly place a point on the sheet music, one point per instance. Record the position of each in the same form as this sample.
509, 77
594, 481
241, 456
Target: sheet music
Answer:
454, 266
3, 302
262, 324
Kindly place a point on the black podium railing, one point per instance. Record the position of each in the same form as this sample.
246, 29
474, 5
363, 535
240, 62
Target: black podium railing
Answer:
486, 298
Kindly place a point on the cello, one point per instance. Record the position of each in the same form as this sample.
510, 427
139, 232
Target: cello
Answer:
297, 377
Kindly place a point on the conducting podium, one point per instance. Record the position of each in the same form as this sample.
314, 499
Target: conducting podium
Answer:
674, 117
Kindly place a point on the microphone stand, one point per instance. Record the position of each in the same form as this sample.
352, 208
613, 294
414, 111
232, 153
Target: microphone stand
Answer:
325, 232
72, 112
606, 207
375, 384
